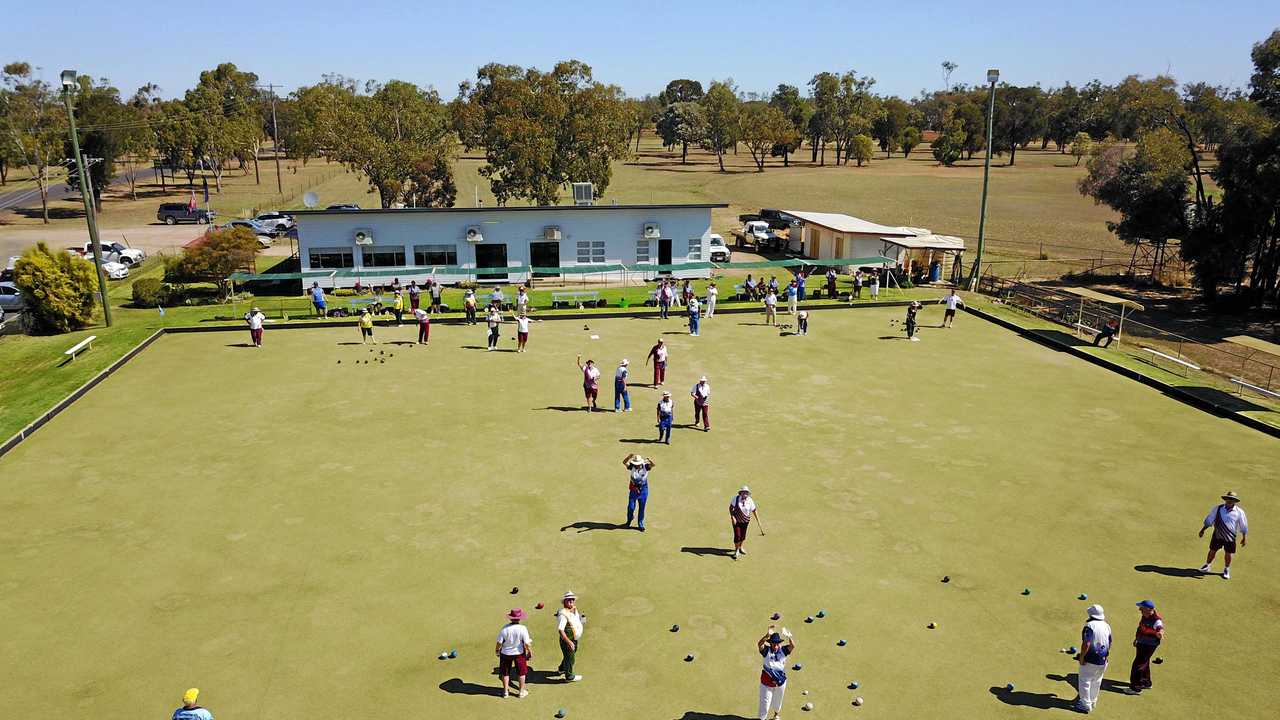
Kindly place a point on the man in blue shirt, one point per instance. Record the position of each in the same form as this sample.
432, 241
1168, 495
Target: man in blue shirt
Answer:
190, 710
317, 299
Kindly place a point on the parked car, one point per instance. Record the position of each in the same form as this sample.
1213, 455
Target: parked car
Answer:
7, 272
263, 234
717, 250
343, 206
115, 252
174, 213
115, 270
277, 220
11, 298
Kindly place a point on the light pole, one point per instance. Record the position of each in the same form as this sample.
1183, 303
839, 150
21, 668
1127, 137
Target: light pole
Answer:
993, 76
68, 87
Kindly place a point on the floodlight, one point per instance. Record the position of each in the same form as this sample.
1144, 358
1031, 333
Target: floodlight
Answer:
993, 75
68, 79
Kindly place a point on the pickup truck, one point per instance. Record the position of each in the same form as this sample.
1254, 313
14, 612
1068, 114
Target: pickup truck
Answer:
112, 252
716, 249
758, 234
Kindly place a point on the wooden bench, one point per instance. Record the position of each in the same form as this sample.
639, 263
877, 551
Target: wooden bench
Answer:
568, 299
1261, 391
1156, 353
85, 344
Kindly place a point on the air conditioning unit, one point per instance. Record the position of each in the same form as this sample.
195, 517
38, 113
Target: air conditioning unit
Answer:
364, 237
474, 235
651, 231
551, 232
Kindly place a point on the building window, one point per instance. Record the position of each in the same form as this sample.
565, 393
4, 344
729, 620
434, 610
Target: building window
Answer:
330, 258
695, 249
642, 251
383, 257
590, 252
424, 255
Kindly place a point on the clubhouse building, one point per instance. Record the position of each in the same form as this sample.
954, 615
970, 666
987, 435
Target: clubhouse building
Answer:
503, 244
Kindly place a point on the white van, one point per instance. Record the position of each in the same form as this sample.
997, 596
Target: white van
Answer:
717, 250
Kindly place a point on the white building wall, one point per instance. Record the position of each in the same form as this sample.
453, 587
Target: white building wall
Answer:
619, 228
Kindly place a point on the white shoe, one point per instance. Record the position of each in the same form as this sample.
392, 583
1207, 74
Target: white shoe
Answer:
524, 693
575, 678
742, 552
1226, 573
1204, 568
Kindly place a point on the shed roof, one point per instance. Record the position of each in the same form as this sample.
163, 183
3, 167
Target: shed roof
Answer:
928, 242
850, 224
509, 208
1102, 297
1255, 343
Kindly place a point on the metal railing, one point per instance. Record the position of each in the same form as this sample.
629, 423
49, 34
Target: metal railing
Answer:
1217, 363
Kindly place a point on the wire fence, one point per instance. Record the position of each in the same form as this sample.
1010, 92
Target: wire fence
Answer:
1218, 366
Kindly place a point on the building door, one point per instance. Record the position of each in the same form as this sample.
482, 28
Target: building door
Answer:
544, 254
491, 256
664, 252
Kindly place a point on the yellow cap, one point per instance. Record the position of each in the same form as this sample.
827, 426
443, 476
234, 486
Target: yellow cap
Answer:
190, 695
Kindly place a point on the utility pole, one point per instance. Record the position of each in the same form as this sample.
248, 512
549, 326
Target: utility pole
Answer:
275, 139
86, 193
993, 76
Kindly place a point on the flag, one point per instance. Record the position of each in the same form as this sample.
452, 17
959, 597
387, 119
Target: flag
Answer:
206, 191
191, 204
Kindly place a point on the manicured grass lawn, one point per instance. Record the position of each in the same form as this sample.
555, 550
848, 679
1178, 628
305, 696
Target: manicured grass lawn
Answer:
298, 535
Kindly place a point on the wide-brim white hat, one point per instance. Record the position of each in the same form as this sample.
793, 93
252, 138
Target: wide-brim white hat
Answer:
1095, 612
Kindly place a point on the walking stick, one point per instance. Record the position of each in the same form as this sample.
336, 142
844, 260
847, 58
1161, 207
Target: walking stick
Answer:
759, 525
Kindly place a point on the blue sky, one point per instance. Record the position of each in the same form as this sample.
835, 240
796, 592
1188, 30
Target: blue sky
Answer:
641, 45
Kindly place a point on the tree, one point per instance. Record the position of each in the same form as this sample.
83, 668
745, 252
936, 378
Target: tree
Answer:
103, 122
722, 108
225, 116
949, 145
861, 147
1019, 118
787, 100
214, 258
824, 92
856, 110
682, 123
948, 67
35, 125
909, 140
543, 130
973, 119
1149, 189
680, 91
1081, 146
888, 126
763, 129
58, 288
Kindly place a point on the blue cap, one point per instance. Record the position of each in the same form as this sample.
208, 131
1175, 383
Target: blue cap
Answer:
1147, 604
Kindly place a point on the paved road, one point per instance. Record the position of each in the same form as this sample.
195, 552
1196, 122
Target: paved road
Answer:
30, 197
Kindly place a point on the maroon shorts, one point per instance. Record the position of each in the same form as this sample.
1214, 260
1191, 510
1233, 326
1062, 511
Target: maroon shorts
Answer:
506, 662
590, 392
522, 337
1217, 544
740, 532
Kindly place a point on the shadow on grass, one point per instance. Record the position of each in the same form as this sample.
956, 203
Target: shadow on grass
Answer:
458, 686
705, 551
564, 408
676, 332
695, 715
1040, 701
757, 324
1071, 679
1222, 399
640, 441
239, 344
893, 337
1063, 338
482, 347
1170, 571
584, 525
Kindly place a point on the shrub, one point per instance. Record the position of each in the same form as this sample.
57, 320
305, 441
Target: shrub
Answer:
151, 292
221, 253
58, 288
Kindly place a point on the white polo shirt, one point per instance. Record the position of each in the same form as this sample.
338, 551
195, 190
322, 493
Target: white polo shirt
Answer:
620, 375
953, 301
742, 507
421, 314
702, 392
513, 638
570, 618
255, 320
522, 324
1232, 522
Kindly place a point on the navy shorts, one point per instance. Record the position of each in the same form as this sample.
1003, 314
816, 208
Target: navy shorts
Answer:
1219, 544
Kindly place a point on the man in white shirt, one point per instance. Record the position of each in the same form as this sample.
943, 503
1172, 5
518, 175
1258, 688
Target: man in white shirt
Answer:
638, 489
951, 301
741, 509
620, 394
771, 308
1228, 520
522, 300
255, 318
522, 330
659, 354
694, 315
666, 417
569, 623
1095, 647
514, 649
713, 293
701, 394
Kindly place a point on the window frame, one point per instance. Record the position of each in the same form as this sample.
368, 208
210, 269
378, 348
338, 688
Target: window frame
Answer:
596, 252
347, 253
370, 251
420, 254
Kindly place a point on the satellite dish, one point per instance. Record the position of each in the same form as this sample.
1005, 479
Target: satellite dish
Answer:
310, 199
